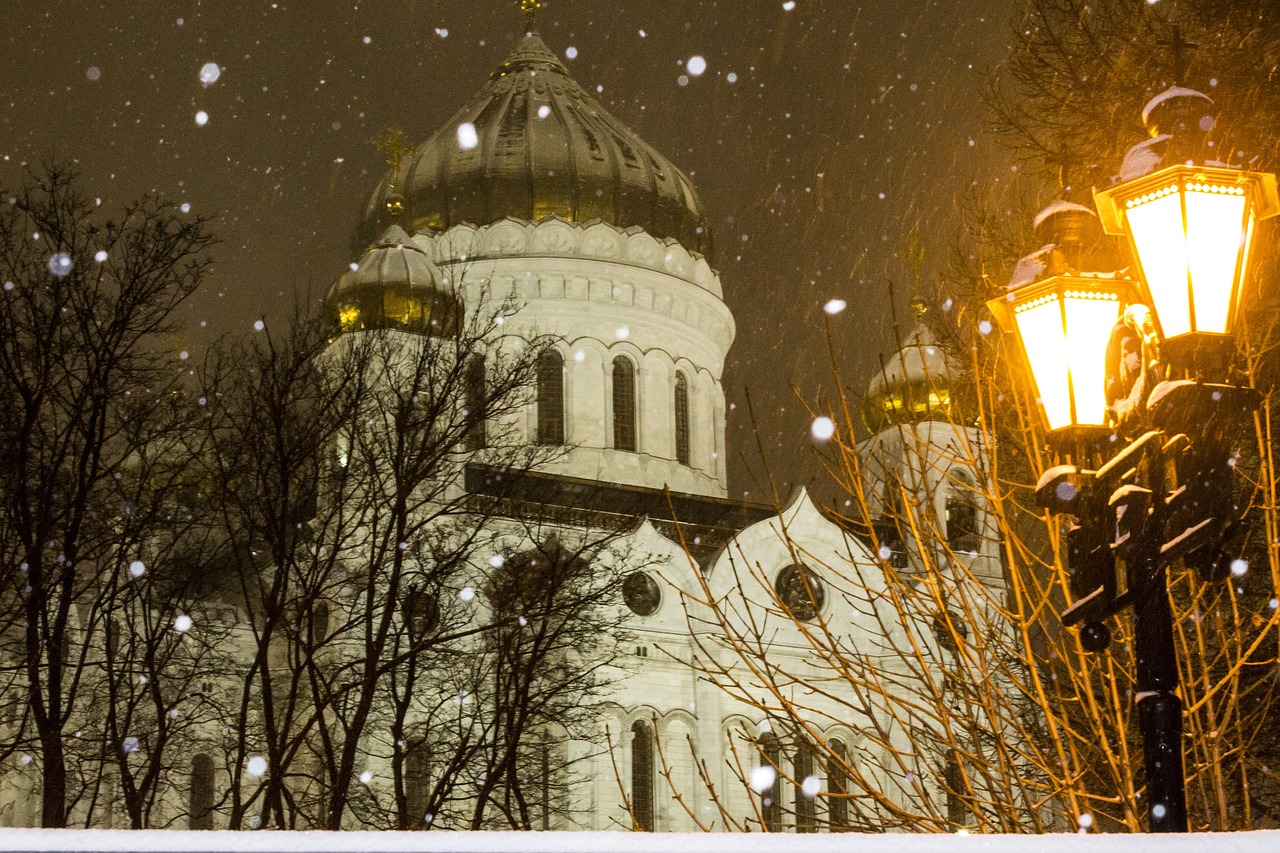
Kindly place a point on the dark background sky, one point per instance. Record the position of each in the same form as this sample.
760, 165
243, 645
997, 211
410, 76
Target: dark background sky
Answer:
848, 127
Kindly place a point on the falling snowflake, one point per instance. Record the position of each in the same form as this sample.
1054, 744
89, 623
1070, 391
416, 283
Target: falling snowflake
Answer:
209, 73
467, 138
812, 785
258, 325
93, 72
835, 306
1239, 567
137, 569
130, 745
366, 777
202, 118
257, 766
762, 778
60, 264
466, 593
696, 65
182, 624
100, 256
823, 428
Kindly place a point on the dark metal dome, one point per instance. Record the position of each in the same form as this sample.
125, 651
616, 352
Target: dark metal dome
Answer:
541, 147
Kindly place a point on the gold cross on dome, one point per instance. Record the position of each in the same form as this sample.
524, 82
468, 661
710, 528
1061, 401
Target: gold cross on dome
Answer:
393, 144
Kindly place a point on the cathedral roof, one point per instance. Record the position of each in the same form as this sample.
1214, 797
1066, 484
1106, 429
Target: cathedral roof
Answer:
532, 143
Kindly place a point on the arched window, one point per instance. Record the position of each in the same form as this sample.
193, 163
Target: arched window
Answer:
320, 621
963, 534
624, 404
642, 775
475, 403
421, 612
417, 784
112, 627
957, 813
550, 398
682, 419
838, 786
771, 797
200, 809
805, 819
540, 805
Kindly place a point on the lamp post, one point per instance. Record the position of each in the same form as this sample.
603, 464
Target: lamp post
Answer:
1167, 495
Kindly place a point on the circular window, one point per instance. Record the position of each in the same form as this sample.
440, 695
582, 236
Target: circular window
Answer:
641, 593
800, 592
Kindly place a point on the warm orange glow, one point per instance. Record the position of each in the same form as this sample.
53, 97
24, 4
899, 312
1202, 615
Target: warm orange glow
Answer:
1190, 228
1064, 333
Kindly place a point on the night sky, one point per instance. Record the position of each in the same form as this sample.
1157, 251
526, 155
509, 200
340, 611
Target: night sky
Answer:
843, 129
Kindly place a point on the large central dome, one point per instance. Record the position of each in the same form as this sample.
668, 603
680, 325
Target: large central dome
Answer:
541, 147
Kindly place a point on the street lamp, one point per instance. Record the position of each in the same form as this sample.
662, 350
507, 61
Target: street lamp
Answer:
1168, 495
1190, 227
1062, 319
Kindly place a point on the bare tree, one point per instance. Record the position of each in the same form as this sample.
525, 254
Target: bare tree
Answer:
85, 383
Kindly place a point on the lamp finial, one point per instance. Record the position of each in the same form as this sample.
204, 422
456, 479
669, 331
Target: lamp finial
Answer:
530, 9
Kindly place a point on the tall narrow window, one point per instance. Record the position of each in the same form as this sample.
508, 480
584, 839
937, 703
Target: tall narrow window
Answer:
682, 419
544, 782
475, 408
200, 809
624, 404
838, 786
963, 534
805, 820
417, 784
642, 775
771, 797
320, 621
957, 812
550, 398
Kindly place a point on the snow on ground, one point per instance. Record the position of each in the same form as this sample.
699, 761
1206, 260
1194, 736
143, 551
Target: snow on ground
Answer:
116, 841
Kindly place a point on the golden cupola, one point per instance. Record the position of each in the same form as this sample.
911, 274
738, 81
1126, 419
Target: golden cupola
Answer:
914, 385
533, 144
394, 285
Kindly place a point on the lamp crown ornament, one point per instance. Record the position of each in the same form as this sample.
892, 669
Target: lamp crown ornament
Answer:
530, 9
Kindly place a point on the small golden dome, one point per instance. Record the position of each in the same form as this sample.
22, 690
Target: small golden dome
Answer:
394, 285
913, 386
532, 144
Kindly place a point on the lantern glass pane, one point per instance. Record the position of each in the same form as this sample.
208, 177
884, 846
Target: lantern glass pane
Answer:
1090, 318
1215, 236
1156, 226
1045, 342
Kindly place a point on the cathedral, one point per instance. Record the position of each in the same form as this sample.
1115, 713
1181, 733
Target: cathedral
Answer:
532, 195
553, 203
